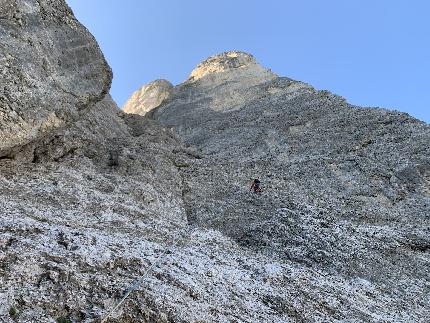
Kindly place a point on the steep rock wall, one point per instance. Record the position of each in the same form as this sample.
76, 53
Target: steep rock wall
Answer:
51, 69
346, 189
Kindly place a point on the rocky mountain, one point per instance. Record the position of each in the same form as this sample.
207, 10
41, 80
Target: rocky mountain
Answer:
92, 201
346, 189
148, 97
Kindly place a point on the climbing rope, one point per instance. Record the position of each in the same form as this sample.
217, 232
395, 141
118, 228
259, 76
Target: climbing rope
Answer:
138, 282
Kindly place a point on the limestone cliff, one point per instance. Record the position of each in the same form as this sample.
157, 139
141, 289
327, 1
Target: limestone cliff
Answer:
91, 202
346, 189
51, 69
148, 97
232, 62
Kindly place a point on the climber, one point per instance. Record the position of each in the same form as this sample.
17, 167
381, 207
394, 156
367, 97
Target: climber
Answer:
256, 186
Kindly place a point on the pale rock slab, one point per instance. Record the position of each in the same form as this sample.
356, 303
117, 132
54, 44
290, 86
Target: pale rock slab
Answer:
148, 97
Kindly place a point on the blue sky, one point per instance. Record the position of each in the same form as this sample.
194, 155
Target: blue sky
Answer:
373, 53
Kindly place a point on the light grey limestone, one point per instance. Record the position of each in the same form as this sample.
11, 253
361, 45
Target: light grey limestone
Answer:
51, 69
148, 97
340, 232
346, 189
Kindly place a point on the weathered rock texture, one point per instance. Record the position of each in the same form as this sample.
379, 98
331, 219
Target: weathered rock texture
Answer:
97, 200
235, 63
229, 80
51, 68
148, 97
340, 232
346, 189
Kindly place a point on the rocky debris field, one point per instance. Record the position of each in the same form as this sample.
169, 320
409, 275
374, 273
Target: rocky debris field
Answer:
91, 201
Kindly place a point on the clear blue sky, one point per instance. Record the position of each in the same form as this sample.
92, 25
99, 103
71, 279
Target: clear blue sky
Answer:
372, 52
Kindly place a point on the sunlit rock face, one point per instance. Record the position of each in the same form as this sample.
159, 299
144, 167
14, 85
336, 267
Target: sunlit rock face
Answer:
51, 69
228, 61
222, 78
148, 97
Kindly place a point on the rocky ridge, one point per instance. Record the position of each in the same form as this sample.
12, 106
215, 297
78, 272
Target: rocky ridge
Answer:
339, 233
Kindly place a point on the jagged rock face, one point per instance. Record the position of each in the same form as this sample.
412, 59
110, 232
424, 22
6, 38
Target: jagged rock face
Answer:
339, 233
97, 135
148, 97
346, 189
96, 200
84, 220
51, 68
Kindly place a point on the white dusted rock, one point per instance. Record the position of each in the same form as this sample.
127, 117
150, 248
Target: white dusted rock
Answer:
339, 233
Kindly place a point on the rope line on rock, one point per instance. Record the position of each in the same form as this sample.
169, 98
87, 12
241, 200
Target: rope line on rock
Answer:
138, 282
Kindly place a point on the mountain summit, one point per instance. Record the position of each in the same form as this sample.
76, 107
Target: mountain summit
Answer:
225, 74
225, 62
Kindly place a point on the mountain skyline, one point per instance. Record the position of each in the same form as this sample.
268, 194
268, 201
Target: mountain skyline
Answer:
373, 54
